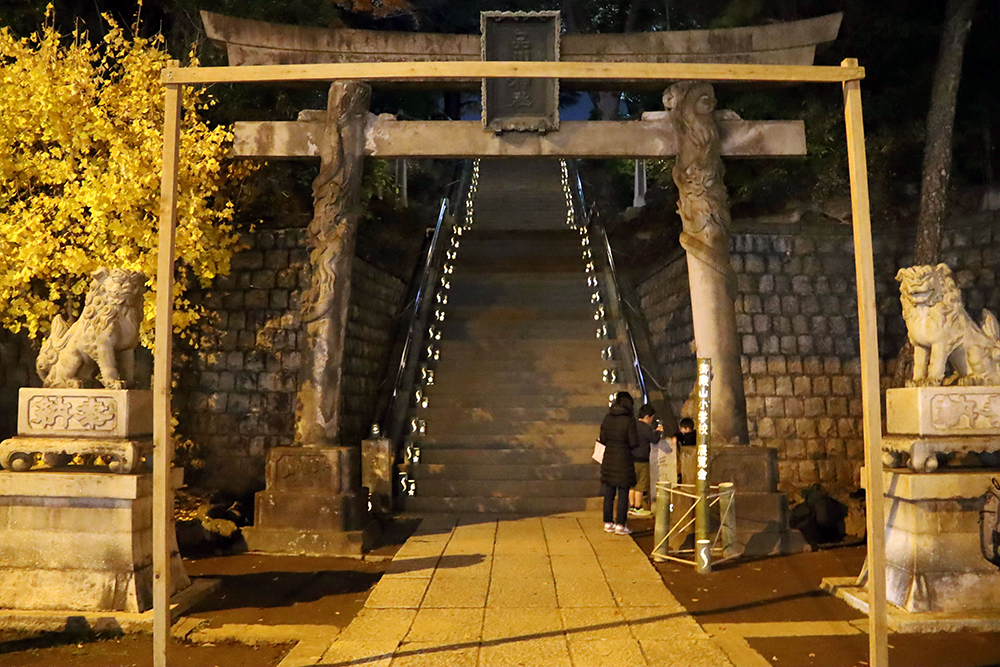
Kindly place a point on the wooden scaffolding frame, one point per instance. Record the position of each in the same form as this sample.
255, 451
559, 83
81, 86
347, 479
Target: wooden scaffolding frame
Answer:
849, 75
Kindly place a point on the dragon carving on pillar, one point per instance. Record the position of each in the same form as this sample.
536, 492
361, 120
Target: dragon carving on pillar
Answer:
703, 202
336, 194
331, 236
704, 210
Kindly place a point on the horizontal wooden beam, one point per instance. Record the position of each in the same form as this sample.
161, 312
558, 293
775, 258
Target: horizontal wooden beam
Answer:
408, 71
389, 138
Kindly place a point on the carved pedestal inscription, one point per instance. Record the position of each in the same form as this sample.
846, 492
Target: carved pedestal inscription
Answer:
328, 470
310, 491
84, 413
72, 413
933, 426
303, 472
943, 410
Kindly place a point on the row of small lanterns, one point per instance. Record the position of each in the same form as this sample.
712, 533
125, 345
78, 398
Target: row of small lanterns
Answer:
432, 353
596, 299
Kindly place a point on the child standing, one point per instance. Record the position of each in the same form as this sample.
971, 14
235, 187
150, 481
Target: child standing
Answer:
648, 435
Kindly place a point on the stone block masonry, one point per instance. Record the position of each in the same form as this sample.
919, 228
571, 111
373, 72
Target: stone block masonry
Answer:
796, 305
236, 396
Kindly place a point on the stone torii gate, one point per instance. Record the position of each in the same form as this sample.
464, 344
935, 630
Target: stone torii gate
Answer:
342, 135
313, 501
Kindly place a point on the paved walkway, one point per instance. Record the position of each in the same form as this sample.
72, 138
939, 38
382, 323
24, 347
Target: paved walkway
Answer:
537, 591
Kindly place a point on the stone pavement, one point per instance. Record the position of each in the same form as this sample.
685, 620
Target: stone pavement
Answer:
558, 590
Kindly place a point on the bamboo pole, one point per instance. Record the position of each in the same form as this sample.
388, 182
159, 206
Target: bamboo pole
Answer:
163, 496
727, 519
878, 655
702, 485
436, 70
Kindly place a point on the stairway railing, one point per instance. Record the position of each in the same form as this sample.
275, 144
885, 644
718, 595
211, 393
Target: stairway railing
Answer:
626, 342
422, 308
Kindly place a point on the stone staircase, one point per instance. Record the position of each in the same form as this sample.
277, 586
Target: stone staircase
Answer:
518, 393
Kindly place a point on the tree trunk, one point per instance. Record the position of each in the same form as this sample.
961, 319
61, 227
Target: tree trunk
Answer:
940, 122
632, 18
571, 17
937, 152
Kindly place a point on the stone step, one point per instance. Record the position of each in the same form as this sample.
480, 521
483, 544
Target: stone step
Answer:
497, 362
475, 250
488, 413
461, 455
548, 330
521, 394
542, 281
475, 398
584, 437
519, 348
495, 292
488, 505
525, 471
556, 312
458, 430
506, 488
501, 265
588, 375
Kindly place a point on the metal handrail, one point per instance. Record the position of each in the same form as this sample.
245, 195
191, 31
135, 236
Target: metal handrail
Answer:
640, 376
422, 305
400, 402
640, 379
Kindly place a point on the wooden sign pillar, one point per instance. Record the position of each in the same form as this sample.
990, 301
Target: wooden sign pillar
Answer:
857, 162
163, 446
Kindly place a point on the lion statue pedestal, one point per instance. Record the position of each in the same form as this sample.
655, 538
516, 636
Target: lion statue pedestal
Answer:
939, 546
79, 541
77, 537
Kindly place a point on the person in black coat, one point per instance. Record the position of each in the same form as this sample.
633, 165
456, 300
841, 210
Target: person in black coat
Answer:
620, 437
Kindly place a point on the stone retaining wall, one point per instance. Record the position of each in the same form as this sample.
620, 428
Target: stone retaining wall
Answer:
796, 305
236, 396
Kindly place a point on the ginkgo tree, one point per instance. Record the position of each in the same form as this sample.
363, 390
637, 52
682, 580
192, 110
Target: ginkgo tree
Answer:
80, 155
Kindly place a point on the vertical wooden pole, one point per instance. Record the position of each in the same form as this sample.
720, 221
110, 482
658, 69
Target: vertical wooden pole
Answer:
878, 655
727, 519
163, 452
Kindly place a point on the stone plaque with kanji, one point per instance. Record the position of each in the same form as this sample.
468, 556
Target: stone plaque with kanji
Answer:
520, 104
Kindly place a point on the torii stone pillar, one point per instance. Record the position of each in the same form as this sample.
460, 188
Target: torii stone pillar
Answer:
704, 209
331, 236
314, 502
762, 512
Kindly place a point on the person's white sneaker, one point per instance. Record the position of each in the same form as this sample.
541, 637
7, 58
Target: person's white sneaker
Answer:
622, 530
609, 528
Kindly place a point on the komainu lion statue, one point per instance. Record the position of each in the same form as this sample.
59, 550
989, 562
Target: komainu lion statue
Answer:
941, 330
102, 340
